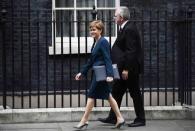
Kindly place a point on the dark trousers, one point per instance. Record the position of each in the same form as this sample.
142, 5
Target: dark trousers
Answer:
132, 84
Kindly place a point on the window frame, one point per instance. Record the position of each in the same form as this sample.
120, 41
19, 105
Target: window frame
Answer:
75, 40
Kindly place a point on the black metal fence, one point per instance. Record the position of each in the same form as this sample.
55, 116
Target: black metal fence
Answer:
39, 58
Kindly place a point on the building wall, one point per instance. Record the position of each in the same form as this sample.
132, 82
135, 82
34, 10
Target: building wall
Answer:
29, 44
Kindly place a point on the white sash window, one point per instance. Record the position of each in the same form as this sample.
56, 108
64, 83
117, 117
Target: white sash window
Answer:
65, 17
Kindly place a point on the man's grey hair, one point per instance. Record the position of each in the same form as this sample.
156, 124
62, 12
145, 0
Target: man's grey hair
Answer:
124, 12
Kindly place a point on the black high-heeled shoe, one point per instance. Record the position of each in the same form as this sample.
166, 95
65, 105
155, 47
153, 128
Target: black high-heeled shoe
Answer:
81, 126
119, 125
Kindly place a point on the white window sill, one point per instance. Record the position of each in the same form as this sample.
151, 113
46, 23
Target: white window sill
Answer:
74, 45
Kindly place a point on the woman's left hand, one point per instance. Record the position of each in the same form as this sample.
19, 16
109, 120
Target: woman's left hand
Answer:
109, 79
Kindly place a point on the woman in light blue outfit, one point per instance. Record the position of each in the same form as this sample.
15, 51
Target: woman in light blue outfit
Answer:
100, 55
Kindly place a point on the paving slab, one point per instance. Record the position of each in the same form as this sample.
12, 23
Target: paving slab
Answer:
151, 125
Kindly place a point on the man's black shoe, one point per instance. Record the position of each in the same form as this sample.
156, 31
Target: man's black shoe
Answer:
107, 120
136, 124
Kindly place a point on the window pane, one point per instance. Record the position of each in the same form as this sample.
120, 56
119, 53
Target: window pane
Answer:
105, 3
64, 3
63, 21
107, 17
83, 17
85, 3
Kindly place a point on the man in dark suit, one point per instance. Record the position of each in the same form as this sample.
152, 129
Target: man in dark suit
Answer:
127, 54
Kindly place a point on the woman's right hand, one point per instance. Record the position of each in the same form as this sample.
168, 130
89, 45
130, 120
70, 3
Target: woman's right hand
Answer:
78, 76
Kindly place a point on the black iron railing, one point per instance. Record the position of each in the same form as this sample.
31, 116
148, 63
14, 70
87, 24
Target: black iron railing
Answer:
36, 73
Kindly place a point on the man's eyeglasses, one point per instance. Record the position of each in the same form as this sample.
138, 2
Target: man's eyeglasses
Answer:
114, 17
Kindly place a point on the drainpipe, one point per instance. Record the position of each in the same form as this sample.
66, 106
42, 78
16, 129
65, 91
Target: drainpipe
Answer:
3, 24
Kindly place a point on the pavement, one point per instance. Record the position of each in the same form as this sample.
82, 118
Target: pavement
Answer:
163, 118
151, 125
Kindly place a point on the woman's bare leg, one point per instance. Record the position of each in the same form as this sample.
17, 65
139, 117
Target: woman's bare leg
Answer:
89, 107
115, 108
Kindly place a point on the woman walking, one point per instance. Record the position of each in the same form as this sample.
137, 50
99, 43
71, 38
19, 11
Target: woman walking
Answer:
100, 55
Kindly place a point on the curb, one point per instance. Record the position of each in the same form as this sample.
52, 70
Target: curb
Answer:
75, 114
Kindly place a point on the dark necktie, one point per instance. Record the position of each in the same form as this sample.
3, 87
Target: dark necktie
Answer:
119, 30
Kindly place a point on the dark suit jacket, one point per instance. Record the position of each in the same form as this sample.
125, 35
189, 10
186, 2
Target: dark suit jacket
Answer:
126, 51
100, 55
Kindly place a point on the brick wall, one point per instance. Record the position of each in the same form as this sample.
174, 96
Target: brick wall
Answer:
26, 46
